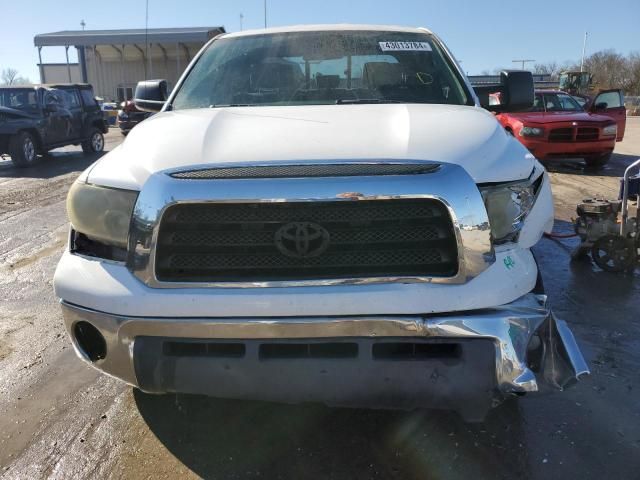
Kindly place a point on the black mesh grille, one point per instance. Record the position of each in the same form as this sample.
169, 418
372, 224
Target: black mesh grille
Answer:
579, 134
306, 240
561, 135
299, 171
587, 133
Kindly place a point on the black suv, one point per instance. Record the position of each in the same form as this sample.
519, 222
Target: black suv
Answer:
37, 118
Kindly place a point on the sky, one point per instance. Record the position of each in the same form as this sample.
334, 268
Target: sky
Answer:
481, 34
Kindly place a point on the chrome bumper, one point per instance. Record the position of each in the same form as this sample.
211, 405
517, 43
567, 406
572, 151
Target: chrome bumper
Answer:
519, 332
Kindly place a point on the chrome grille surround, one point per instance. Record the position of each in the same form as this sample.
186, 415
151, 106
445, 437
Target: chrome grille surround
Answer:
446, 183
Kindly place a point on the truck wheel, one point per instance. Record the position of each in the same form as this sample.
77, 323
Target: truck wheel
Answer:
598, 160
23, 150
94, 143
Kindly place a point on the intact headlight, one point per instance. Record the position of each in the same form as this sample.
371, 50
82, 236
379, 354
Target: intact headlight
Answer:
610, 130
531, 132
101, 213
508, 205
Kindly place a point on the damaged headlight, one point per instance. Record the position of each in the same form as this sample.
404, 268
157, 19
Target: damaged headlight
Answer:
508, 205
101, 214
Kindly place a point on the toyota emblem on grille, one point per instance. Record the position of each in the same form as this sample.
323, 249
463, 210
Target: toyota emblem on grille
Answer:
302, 239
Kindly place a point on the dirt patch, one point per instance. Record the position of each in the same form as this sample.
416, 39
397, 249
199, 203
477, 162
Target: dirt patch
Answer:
5, 350
45, 252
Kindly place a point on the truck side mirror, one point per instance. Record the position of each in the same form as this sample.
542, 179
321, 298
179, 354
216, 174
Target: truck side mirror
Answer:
518, 89
151, 95
515, 92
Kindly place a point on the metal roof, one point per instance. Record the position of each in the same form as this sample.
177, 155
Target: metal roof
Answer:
129, 36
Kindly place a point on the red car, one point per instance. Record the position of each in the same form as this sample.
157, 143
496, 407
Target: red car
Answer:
129, 116
558, 126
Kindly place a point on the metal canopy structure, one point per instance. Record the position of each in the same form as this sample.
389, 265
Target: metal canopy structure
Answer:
90, 38
113, 61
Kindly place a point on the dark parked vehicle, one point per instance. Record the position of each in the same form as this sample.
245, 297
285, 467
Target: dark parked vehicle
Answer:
37, 118
129, 116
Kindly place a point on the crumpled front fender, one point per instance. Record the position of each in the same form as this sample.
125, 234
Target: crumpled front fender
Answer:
535, 351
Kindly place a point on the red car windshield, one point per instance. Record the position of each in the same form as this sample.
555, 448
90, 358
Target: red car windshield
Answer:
555, 102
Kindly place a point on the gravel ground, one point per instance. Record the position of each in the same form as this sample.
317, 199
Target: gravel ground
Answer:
61, 419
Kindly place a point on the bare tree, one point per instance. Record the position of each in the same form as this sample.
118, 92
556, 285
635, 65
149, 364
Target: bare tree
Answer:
9, 76
633, 88
609, 69
553, 68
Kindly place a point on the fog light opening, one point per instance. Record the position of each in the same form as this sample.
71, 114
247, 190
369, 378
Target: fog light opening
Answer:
90, 341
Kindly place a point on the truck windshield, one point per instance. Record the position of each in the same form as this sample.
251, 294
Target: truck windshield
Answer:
24, 99
327, 67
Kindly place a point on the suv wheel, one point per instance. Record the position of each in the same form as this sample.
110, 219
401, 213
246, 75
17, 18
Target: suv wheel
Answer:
94, 143
23, 149
598, 160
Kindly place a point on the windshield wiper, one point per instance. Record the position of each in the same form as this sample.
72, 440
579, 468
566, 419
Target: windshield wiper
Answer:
223, 105
354, 101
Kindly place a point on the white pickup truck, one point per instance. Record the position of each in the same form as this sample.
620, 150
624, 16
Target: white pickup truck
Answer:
318, 213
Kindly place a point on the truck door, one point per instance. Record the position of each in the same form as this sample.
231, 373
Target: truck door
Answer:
72, 101
614, 108
70, 114
56, 117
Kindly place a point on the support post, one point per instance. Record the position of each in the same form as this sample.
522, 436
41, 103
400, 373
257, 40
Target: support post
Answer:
144, 59
82, 60
42, 79
166, 61
177, 62
150, 60
186, 52
66, 52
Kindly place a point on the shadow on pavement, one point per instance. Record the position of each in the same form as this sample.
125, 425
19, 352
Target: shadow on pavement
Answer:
52, 165
576, 166
244, 439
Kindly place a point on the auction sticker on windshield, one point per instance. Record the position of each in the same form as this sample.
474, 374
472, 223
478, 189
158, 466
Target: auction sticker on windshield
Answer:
405, 46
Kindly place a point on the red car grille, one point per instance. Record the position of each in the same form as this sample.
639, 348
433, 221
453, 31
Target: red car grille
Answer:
574, 134
587, 133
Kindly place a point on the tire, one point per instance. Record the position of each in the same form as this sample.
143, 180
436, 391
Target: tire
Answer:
94, 142
597, 161
613, 253
23, 149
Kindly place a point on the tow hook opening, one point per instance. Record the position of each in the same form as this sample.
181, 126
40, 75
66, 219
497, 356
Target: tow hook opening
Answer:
90, 341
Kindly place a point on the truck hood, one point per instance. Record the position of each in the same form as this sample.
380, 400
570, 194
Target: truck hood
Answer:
463, 135
552, 117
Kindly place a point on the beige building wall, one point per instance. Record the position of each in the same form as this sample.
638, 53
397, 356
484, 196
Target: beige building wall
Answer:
58, 73
108, 70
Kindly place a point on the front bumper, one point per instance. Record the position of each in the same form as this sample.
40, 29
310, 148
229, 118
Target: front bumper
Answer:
543, 149
516, 348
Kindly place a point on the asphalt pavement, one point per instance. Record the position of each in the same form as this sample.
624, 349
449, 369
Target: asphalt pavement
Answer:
59, 418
